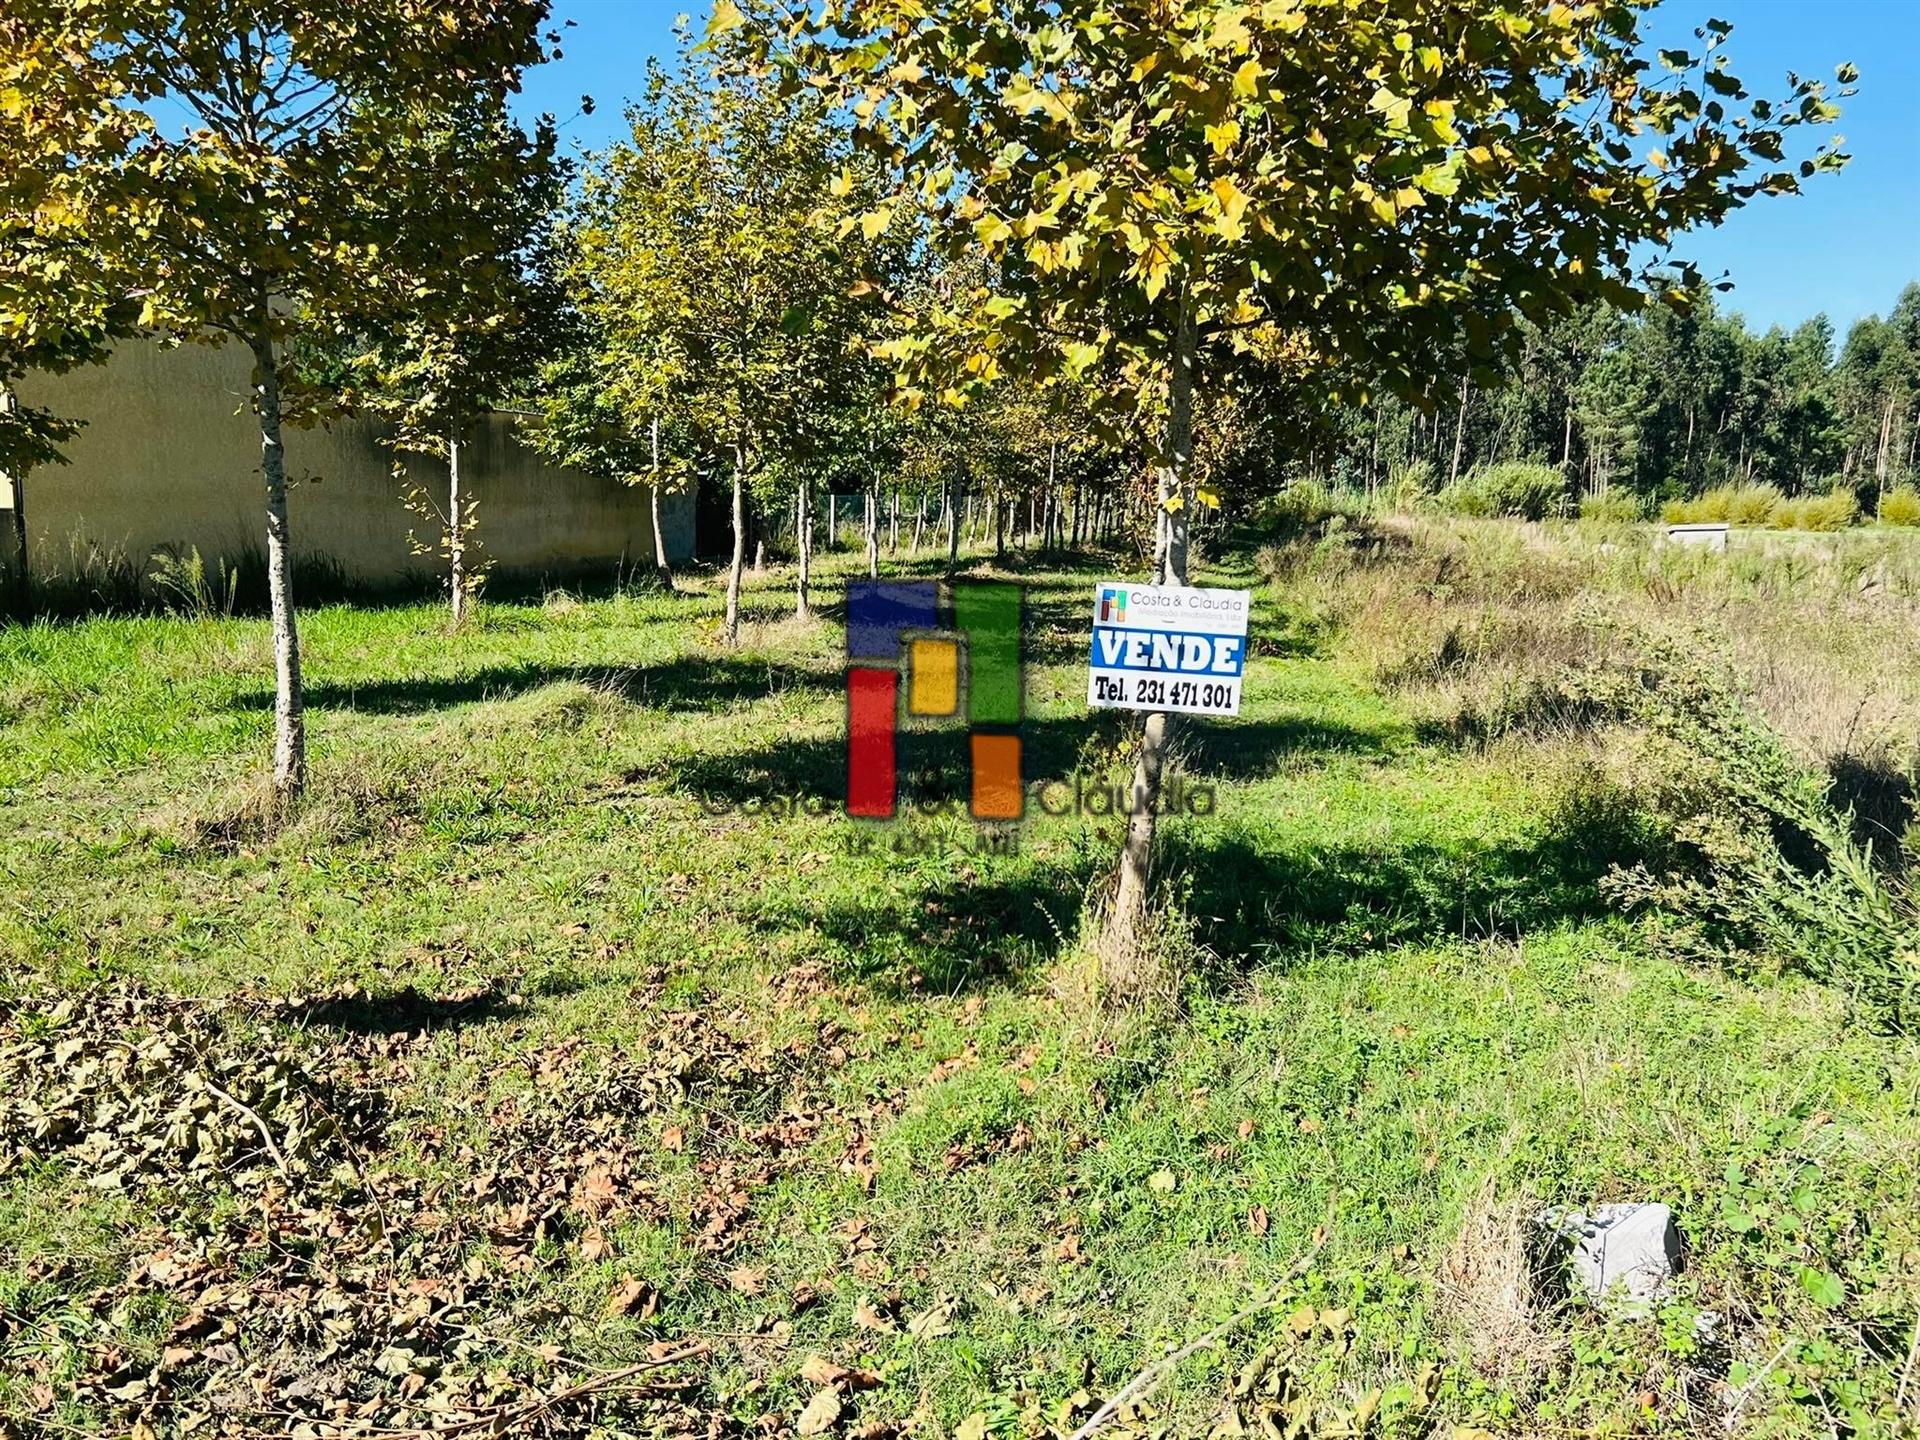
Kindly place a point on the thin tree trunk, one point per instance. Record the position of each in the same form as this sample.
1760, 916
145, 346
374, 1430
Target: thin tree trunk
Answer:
1459, 436
803, 584
22, 577
919, 524
1880, 457
22, 574
893, 522
739, 564
456, 529
873, 535
953, 526
660, 565
17, 497
289, 700
1128, 972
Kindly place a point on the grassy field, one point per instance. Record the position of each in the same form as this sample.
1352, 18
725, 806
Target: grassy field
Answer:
569, 1029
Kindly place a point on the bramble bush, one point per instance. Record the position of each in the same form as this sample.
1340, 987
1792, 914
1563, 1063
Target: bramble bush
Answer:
1778, 871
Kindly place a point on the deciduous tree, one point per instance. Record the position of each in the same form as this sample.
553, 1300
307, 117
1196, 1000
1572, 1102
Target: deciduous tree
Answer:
472, 301
710, 266
242, 147
1163, 188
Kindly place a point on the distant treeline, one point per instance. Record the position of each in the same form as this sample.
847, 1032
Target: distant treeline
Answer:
1661, 406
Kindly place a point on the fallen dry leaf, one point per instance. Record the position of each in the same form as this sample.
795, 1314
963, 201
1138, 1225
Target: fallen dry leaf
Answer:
935, 1320
820, 1414
817, 1370
634, 1297
748, 1280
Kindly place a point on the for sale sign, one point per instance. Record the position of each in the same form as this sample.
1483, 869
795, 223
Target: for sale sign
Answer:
1167, 647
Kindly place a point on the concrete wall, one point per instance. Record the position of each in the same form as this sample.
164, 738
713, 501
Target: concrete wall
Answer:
170, 457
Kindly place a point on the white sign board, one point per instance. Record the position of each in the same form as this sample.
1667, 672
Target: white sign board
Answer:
1167, 647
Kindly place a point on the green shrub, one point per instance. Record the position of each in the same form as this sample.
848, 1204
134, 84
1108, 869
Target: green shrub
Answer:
1301, 507
1522, 488
1901, 506
1416, 477
1833, 511
1752, 504
1714, 507
1463, 497
1615, 509
1758, 505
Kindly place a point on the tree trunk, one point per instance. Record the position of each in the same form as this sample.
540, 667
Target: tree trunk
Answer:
873, 535
739, 564
893, 522
953, 525
1128, 970
660, 565
1459, 436
22, 577
1880, 457
833, 520
22, 573
456, 529
289, 700
803, 584
919, 524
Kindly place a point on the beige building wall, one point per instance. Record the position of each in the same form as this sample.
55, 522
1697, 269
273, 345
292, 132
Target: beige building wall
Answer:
170, 458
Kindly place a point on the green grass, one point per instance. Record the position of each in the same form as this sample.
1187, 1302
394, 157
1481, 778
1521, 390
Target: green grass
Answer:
579, 829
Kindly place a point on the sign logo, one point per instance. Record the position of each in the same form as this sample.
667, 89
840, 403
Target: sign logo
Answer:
1168, 647
896, 638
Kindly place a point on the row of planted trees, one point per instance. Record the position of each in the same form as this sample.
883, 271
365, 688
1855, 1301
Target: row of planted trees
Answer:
860, 241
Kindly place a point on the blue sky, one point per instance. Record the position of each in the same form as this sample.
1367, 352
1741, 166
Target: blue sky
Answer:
1844, 247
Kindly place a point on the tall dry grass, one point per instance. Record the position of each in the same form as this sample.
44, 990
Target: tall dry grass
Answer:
1761, 704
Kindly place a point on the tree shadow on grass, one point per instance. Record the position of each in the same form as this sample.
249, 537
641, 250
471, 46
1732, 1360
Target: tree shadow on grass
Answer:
685, 683
950, 935
403, 1011
1253, 906
959, 923
934, 765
